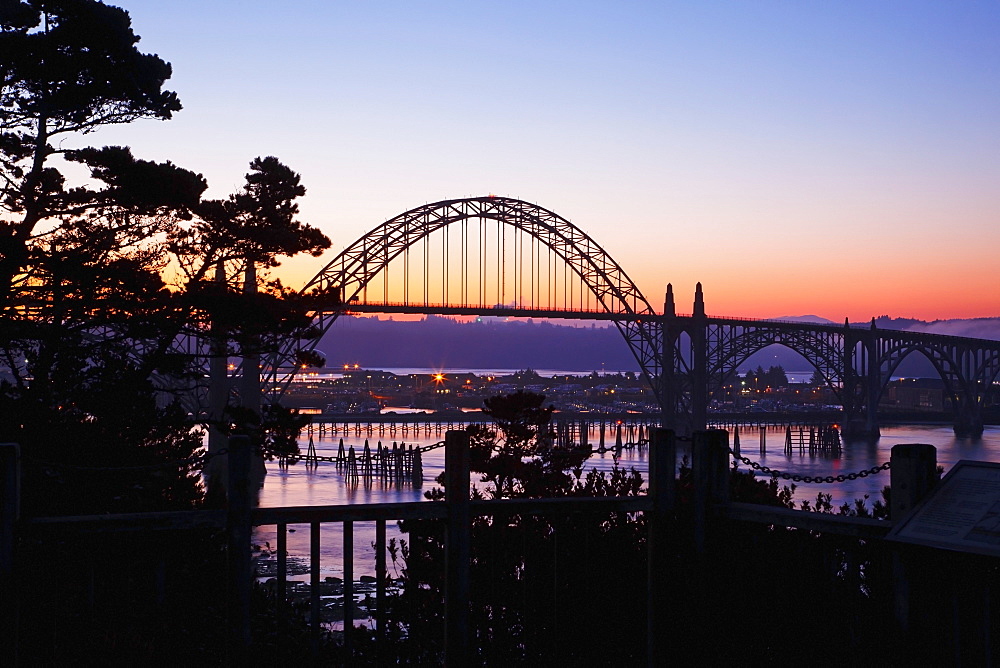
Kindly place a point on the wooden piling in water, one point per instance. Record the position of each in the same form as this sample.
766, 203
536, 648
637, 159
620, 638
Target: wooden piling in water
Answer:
352, 464
311, 455
417, 474
341, 455
366, 462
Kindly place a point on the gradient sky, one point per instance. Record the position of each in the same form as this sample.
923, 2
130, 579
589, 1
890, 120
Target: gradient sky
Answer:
830, 158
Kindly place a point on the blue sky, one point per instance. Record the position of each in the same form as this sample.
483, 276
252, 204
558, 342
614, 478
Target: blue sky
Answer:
838, 158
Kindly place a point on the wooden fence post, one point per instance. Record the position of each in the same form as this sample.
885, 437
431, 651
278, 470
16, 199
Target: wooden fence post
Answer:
662, 466
10, 513
238, 525
912, 474
10, 506
457, 549
710, 473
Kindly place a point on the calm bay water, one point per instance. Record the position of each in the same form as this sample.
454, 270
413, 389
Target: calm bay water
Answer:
298, 486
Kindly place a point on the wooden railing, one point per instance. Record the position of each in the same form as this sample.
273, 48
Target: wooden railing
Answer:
913, 471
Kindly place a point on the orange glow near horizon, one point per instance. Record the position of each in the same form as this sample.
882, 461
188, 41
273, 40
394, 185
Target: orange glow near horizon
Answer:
865, 294
929, 288
858, 292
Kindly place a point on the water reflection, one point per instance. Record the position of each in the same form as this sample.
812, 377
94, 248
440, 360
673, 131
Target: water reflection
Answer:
325, 485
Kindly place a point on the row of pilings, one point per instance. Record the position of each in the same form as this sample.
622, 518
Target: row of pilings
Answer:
627, 430
801, 439
402, 463
398, 463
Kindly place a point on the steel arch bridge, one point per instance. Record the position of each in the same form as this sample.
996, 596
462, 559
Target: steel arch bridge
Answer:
497, 256
544, 267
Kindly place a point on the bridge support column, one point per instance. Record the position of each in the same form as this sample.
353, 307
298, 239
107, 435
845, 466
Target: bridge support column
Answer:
860, 427
861, 385
873, 389
668, 374
215, 471
969, 419
699, 368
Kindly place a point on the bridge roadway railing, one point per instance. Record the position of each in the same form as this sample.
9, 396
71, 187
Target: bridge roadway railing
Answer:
500, 310
912, 476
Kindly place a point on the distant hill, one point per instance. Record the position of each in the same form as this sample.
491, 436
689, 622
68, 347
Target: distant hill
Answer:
806, 318
977, 328
439, 342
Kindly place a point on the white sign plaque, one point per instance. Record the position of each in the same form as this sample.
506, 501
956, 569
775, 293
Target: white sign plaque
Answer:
961, 513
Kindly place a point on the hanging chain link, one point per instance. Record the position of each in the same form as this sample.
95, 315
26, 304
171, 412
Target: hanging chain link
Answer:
864, 473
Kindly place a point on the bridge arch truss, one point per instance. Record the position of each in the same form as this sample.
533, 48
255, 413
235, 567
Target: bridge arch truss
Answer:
731, 344
589, 281
967, 368
857, 363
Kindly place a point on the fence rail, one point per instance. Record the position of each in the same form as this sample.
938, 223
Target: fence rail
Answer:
912, 469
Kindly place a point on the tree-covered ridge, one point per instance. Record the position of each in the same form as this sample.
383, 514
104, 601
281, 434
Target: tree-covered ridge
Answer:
109, 284
761, 379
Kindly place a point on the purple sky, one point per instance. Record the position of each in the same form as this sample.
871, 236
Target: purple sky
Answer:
837, 158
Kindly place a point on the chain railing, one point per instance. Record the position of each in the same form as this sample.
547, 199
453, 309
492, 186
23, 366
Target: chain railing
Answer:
204, 458
829, 479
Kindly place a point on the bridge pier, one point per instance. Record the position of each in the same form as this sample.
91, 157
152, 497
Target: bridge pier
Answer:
668, 381
873, 383
861, 385
861, 428
699, 369
968, 424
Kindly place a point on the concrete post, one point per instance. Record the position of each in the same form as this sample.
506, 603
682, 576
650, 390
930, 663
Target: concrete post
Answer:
710, 471
457, 549
238, 525
912, 474
662, 482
